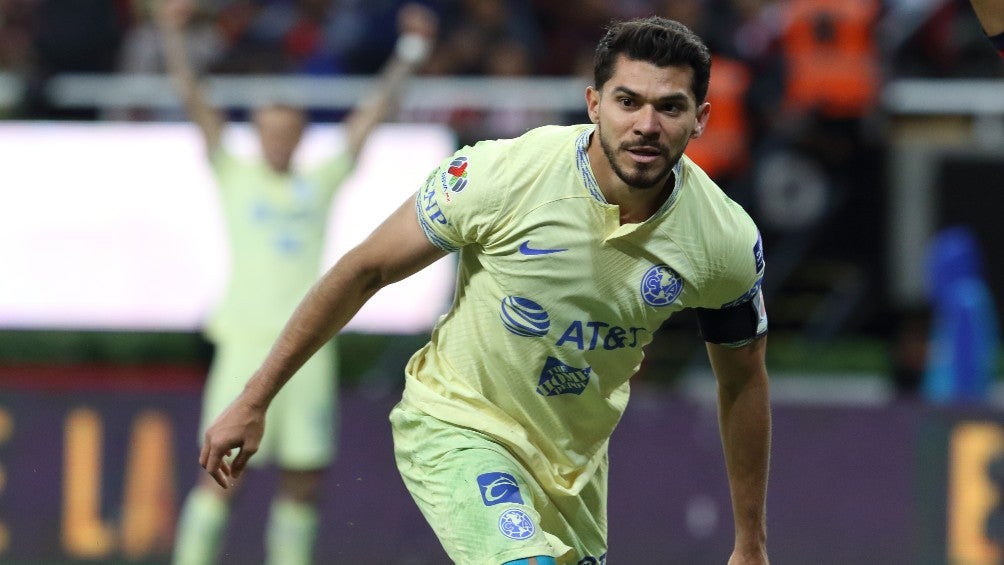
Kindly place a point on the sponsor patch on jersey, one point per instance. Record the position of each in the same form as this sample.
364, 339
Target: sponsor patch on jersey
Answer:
558, 378
761, 313
524, 317
498, 487
660, 285
758, 254
454, 178
429, 204
516, 524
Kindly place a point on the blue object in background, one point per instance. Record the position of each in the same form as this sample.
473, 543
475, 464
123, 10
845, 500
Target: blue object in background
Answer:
964, 340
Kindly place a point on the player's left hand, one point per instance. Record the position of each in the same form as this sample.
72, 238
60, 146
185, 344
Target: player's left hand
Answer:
240, 427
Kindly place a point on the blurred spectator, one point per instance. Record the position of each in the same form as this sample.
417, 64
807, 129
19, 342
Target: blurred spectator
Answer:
948, 41
16, 24
570, 36
74, 36
964, 339
509, 58
475, 29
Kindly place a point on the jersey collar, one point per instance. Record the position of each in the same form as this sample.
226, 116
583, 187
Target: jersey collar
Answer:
582, 162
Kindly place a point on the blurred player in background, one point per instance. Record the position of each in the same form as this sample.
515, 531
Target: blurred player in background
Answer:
576, 243
991, 16
275, 217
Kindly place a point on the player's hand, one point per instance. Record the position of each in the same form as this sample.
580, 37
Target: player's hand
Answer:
417, 19
239, 427
173, 14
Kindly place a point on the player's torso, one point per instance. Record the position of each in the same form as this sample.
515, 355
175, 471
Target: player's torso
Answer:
276, 226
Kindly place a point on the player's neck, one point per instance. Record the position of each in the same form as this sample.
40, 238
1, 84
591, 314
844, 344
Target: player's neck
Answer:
636, 204
639, 204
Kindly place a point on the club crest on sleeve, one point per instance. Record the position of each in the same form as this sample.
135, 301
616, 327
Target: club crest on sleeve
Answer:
516, 524
454, 178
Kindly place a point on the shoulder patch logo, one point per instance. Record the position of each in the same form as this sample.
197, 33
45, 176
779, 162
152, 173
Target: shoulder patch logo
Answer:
455, 177
558, 378
516, 524
498, 487
758, 254
660, 285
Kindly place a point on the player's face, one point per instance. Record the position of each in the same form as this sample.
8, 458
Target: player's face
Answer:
279, 131
645, 115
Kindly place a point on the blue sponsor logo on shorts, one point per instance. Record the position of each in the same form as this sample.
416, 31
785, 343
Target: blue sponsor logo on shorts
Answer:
516, 524
497, 488
660, 285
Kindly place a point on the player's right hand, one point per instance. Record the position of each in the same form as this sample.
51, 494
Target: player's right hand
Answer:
239, 427
418, 19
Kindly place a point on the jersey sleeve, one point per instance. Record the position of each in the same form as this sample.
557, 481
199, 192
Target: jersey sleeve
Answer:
461, 200
740, 315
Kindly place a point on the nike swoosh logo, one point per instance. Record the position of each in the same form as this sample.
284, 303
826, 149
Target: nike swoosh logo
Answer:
525, 249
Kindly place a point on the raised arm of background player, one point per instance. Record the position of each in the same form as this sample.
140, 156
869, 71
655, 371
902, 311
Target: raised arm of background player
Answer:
395, 250
417, 27
172, 16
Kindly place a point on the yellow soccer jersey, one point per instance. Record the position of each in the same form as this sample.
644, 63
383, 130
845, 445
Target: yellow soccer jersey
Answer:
555, 298
276, 226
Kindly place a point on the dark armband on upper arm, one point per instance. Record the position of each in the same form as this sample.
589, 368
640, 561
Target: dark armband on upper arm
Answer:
735, 325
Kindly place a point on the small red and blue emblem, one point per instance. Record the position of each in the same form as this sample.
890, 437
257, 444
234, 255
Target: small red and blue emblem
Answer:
455, 177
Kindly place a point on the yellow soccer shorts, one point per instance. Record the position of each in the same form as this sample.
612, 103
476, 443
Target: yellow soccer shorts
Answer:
300, 426
485, 506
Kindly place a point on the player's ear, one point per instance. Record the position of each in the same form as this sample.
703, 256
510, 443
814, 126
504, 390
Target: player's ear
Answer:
703, 113
593, 104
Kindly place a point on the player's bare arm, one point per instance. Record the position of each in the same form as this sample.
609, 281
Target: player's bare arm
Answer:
395, 250
417, 28
172, 16
744, 420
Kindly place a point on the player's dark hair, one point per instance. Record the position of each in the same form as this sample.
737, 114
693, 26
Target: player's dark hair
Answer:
660, 41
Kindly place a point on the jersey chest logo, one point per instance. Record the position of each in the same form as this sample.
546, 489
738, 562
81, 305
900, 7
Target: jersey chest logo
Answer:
660, 285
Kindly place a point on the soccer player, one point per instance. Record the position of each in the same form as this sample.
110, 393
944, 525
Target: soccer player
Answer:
991, 16
575, 243
276, 216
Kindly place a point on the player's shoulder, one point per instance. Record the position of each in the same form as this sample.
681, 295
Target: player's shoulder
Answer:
707, 201
533, 144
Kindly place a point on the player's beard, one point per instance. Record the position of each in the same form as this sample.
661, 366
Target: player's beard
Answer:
643, 175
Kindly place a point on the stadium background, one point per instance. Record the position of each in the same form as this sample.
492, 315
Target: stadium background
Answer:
849, 174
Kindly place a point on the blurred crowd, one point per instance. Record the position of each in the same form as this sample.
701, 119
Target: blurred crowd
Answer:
483, 37
780, 64
795, 91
